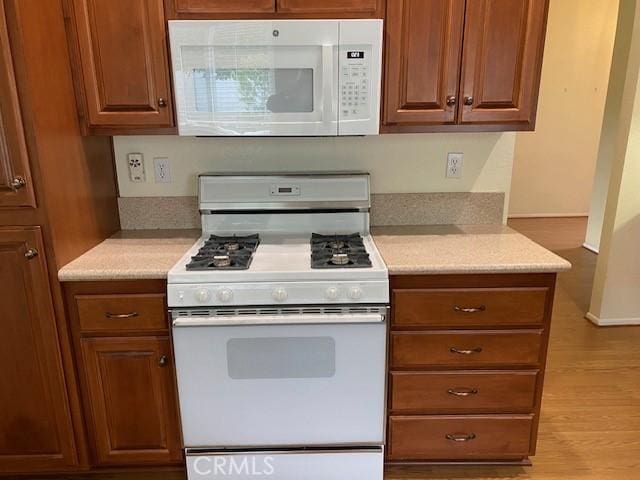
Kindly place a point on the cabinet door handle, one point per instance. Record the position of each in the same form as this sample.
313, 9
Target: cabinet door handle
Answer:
461, 351
462, 392
31, 253
163, 361
468, 101
162, 103
121, 315
460, 437
18, 182
451, 100
481, 308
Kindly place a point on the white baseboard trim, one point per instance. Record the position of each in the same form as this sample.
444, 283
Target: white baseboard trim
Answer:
591, 248
546, 215
611, 322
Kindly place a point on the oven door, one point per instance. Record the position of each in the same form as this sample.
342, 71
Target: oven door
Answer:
281, 380
257, 78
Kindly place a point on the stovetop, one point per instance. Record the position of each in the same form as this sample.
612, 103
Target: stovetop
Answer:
339, 251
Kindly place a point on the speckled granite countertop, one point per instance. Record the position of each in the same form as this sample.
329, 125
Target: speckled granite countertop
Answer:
149, 254
442, 249
131, 255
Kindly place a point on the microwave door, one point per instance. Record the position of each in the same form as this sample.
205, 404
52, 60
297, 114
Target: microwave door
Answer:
256, 78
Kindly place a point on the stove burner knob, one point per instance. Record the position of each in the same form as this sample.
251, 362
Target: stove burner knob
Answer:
203, 295
279, 295
332, 293
225, 295
355, 293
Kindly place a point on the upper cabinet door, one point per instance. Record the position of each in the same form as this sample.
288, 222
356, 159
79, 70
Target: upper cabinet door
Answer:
423, 44
370, 7
16, 187
224, 6
502, 60
124, 62
35, 420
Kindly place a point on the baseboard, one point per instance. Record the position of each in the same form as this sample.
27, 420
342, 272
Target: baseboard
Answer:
547, 215
591, 248
611, 322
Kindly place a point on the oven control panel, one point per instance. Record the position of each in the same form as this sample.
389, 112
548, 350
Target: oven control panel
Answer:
293, 293
355, 83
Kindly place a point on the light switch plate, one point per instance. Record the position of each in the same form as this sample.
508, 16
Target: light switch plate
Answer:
136, 167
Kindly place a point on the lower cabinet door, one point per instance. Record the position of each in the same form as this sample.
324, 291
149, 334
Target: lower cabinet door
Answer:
36, 432
131, 396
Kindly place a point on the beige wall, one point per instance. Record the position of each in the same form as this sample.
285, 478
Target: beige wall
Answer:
616, 299
397, 163
554, 166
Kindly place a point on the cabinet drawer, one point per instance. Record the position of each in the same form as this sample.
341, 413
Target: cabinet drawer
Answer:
469, 307
110, 313
494, 437
465, 348
463, 392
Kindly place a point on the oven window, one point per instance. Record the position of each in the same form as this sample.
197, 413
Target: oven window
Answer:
253, 90
281, 357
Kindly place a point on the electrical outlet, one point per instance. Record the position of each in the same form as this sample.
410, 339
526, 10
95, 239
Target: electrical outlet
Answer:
136, 167
454, 165
162, 170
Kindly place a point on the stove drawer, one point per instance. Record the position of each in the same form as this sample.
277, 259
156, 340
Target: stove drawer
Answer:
122, 313
466, 348
463, 392
469, 307
450, 437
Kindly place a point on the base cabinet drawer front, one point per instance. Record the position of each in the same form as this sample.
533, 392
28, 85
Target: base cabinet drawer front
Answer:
463, 392
442, 438
465, 348
125, 313
469, 307
328, 6
132, 400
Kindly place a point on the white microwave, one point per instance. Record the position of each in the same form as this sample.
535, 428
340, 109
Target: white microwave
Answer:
277, 77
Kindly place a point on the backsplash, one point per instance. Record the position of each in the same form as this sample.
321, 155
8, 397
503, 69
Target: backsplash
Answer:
139, 213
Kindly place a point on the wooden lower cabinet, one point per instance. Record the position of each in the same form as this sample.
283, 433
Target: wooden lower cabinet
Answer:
130, 388
471, 394
36, 432
126, 369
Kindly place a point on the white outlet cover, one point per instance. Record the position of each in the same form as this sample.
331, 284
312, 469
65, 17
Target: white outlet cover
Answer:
162, 170
454, 165
135, 161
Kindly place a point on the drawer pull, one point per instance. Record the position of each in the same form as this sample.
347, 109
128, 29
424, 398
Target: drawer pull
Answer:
479, 309
465, 352
121, 315
462, 392
460, 437
164, 361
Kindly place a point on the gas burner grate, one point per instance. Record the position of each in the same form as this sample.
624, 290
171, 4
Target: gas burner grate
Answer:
338, 251
225, 253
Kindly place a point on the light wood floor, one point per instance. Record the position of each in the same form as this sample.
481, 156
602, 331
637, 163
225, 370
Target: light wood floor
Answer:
590, 424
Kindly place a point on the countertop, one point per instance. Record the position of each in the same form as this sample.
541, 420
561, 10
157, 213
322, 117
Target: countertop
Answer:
441, 249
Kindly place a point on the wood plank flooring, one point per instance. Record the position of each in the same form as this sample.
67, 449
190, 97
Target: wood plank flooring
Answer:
590, 425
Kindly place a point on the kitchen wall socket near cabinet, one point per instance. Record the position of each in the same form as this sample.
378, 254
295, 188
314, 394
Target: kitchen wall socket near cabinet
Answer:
162, 170
136, 167
454, 165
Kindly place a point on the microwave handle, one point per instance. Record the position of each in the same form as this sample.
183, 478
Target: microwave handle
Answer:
328, 91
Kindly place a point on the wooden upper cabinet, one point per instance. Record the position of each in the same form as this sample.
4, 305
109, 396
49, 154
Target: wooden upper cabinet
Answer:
502, 60
35, 423
16, 186
124, 62
224, 6
132, 398
423, 44
330, 6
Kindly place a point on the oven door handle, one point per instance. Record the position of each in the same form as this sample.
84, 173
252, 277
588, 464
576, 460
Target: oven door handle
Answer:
309, 319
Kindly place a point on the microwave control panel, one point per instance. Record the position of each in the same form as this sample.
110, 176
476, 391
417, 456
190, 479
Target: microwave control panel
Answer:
355, 83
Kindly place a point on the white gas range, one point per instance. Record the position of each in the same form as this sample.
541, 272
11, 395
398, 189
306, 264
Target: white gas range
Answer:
279, 330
